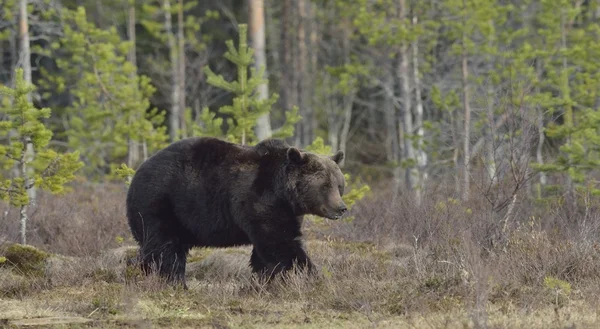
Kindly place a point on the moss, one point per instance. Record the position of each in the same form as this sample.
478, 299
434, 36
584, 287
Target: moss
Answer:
133, 273
26, 260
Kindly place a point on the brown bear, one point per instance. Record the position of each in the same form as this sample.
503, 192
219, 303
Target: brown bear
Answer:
211, 193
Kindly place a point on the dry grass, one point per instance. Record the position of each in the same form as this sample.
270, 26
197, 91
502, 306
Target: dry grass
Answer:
441, 265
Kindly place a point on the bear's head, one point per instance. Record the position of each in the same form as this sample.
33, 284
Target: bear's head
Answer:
316, 183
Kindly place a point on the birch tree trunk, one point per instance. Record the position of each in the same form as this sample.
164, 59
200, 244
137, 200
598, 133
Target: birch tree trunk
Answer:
407, 117
257, 34
306, 65
541, 137
467, 123
391, 133
302, 74
133, 151
174, 116
181, 66
348, 104
23, 210
25, 60
421, 155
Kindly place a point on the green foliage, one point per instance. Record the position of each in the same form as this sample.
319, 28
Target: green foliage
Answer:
152, 20
50, 170
8, 12
569, 52
110, 103
560, 289
242, 115
287, 129
123, 173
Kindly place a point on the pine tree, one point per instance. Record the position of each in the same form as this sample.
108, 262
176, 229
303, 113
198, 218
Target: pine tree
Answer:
247, 107
570, 50
110, 102
48, 169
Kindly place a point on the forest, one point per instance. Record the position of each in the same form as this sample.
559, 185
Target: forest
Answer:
470, 128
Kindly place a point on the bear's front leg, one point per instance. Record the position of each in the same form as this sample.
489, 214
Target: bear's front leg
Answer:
270, 259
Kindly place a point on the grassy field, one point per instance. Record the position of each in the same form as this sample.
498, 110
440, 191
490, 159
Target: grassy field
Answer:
441, 265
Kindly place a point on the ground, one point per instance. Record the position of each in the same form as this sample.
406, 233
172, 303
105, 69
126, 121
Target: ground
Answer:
222, 295
388, 266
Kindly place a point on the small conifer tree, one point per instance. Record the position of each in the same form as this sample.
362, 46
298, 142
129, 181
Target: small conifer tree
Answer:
48, 169
246, 107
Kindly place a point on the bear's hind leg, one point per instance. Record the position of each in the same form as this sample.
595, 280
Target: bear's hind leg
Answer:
168, 257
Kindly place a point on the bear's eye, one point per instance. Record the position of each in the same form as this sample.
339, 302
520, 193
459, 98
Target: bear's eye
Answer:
341, 188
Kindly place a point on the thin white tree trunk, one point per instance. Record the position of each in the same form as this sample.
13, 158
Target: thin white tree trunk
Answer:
421, 154
490, 155
24, 174
25, 60
181, 66
541, 137
467, 123
348, 103
412, 176
391, 139
257, 32
133, 152
174, 116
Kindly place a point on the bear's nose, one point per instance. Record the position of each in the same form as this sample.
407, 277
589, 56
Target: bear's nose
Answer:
342, 208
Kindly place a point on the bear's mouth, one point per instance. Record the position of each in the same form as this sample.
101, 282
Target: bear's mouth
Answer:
334, 215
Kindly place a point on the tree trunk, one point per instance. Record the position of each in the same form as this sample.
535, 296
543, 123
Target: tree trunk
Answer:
133, 152
421, 155
181, 66
25, 60
257, 33
287, 58
311, 120
566, 94
174, 116
490, 155
304, 95
467, 123
391, 139
24, 174
271, 38
412, 177
541, 137
348, 104
301, 73
100, 14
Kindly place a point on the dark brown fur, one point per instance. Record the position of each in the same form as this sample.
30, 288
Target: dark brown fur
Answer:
211, 193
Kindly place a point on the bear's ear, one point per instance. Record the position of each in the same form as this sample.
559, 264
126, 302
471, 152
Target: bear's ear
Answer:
295, 156
338, 157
